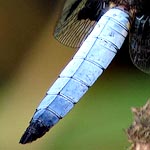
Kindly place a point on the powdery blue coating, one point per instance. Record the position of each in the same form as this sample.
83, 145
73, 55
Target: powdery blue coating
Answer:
87, 65
94, 56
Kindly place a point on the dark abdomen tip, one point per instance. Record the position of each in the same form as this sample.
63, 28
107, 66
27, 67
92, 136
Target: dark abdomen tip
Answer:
41, 122
34, 131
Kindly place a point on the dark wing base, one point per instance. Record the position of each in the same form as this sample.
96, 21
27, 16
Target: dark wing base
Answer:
78, 20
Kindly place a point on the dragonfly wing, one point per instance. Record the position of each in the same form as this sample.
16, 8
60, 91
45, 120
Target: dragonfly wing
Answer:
78, 20
140, 43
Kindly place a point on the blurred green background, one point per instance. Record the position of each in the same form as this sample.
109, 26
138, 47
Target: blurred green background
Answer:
30, 61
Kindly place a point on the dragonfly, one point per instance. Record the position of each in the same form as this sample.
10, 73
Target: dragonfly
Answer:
98, 28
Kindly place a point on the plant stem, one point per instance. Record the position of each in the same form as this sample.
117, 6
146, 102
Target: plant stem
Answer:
139, 131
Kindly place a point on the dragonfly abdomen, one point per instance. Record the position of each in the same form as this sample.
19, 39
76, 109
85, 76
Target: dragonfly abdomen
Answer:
87, 65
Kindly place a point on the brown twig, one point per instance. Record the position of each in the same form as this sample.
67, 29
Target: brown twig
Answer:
139, 131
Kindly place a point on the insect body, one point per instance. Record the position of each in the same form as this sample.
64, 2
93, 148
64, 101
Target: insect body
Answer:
92, 58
